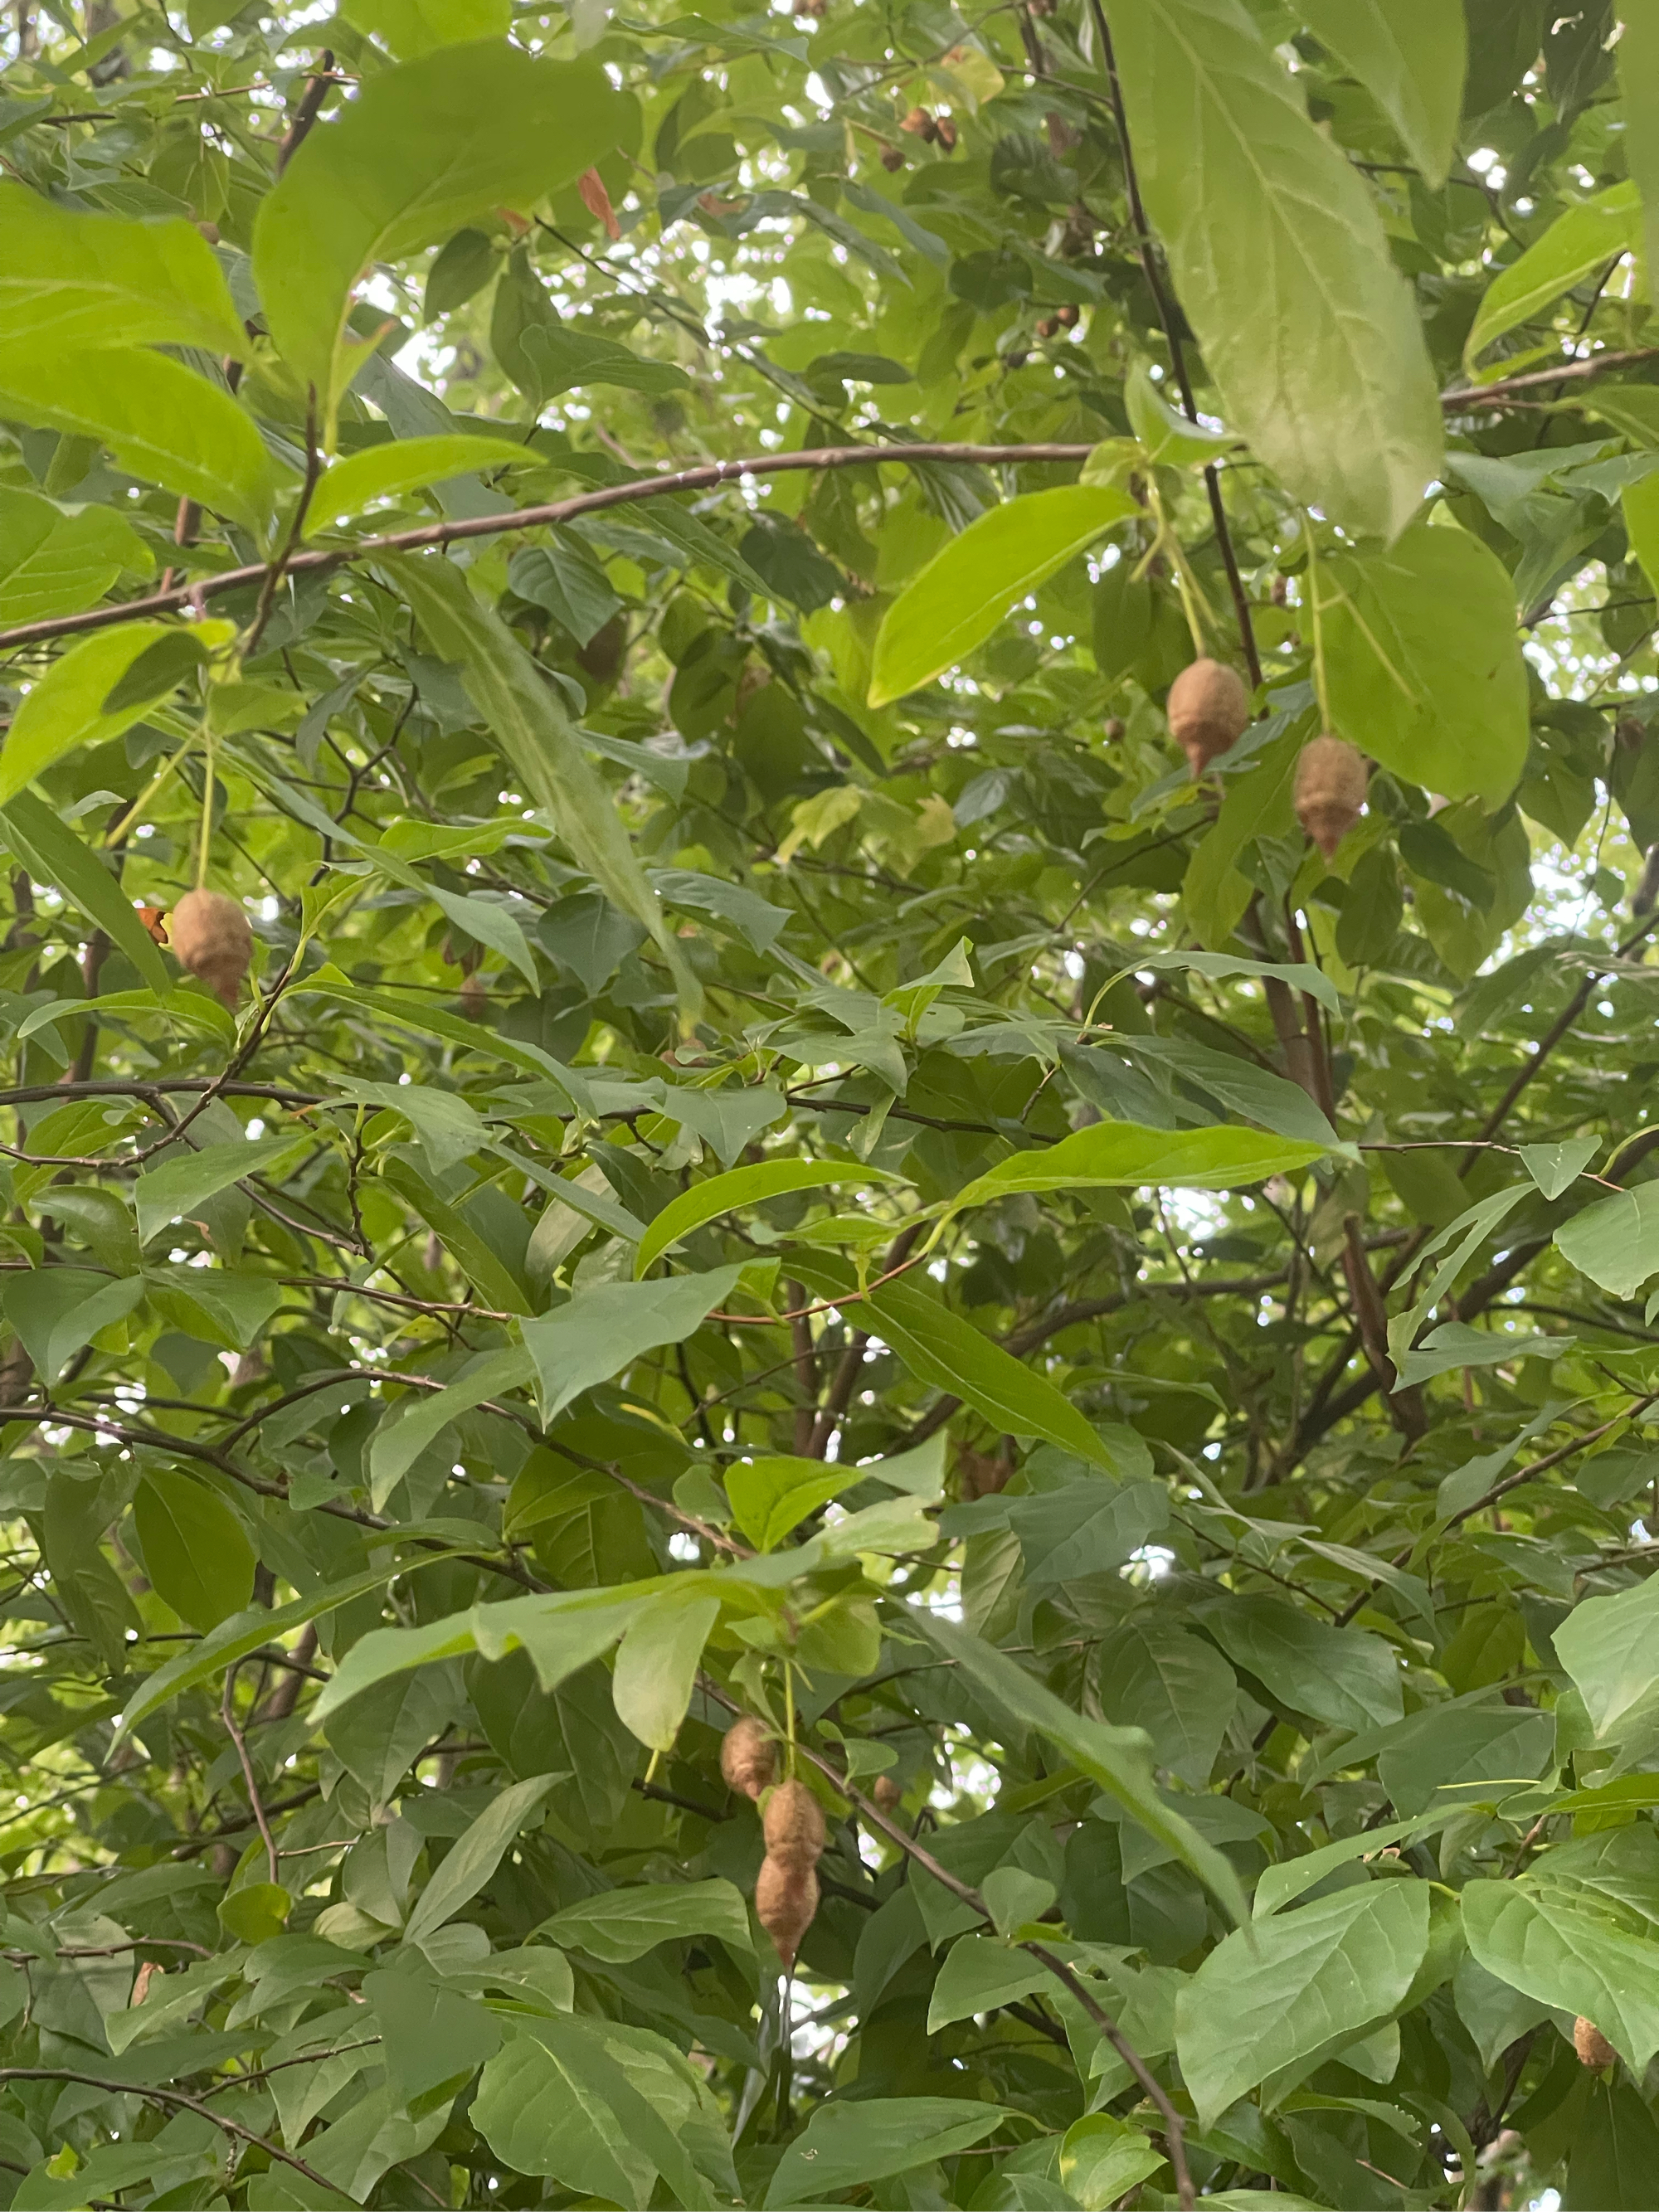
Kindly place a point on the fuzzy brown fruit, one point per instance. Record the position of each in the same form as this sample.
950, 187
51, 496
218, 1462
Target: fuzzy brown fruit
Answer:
748, 1760
919, 124
886, 1792
945, 132
1330, 790
1592, 2046
786, 1899
892, 157
212, 938
1208, 709
792, 1824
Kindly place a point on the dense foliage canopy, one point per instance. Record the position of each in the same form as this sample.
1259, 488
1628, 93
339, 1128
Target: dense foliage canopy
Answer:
804, 1401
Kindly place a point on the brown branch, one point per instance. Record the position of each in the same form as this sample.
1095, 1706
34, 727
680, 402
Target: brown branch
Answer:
306, 113
228, 1714
179, 2097
1494, 395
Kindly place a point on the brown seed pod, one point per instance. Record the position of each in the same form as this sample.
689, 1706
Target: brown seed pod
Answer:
472, 997
1330, 790
786, 1899
919, 124
1047, 327
892, 157
983, 1474
1066, 318
945, 131
212, 938
748, 1760
1592, 2046
792, 1823
886, 1792
1208, 709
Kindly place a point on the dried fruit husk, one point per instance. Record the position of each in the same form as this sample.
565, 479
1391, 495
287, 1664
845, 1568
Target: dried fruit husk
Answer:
1330, 790
792, 1821
919, 124
1592, 2046
213, 938
886, 1792
786, 1899
1208, 709
748, 1760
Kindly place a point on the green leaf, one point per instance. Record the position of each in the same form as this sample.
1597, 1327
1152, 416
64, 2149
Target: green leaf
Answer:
979, 1975
1640, 503
1556, 1167
1085, 1527
1282, 1885
56, 1311
1616, 1241
1120, 1156
1607, 1645
1154, 1675
1572, 1951
81, 283
607, 1326
1270, 231
1278, 1997
868, 2138
1341, 1675
621, 1925
1638, 80
400, 1440
750, 1186
938, 1347
1239, 1084
160, 420
1423, 663
166, 1193
404, 465
1119, 1761
770, 1496
1219, 966
475, 1856
1410, 56
412, 27
54, 562
538, 741
1584, 239
1102, 2159
1167, 435
421, 149
71, 706
967, 588
52, 853
657, 1663
196, 1552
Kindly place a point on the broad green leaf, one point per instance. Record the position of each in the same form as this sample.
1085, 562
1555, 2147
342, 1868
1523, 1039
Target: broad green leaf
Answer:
1616, 1241
1584, 239
400, 1440
750, 1186
770, 1497
1345, 1676
190, 1179
1423, 663
1639, 79
55, 563
978, 1976
160, 419
1282, 1885
1556, 1167
657, 1663
1218, 966
475, 1856
196, 1552
1459, 1747
49, 848
938, 1347
1239, 1085
86, 283
1120, 1156
1609, 1648
1118, 1760
868, 2138
1277, 1997
620, 1925
412, 27
1155, 1675
57, 1311
1410, 56
607, 1326
966, 589
1270, 232
421, 149
1085, 1527
1640, 503
1102, 2159
70, 706
1166, 434
1572, 1951
538, 741
403, 464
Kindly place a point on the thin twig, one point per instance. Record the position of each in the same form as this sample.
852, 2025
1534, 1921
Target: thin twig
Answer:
155, 2094
228, 1714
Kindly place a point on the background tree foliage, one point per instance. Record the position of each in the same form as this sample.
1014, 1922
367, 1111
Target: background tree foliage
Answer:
779, 1155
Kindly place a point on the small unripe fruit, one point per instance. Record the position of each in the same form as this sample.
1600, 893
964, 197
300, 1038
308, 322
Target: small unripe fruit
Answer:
1208, 709
886, 1792
747, 1759
213, 939
786, 1899
792, 1824
1330, 790
1592, 2046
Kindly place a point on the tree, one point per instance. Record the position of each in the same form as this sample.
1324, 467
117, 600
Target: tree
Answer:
819, 1389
